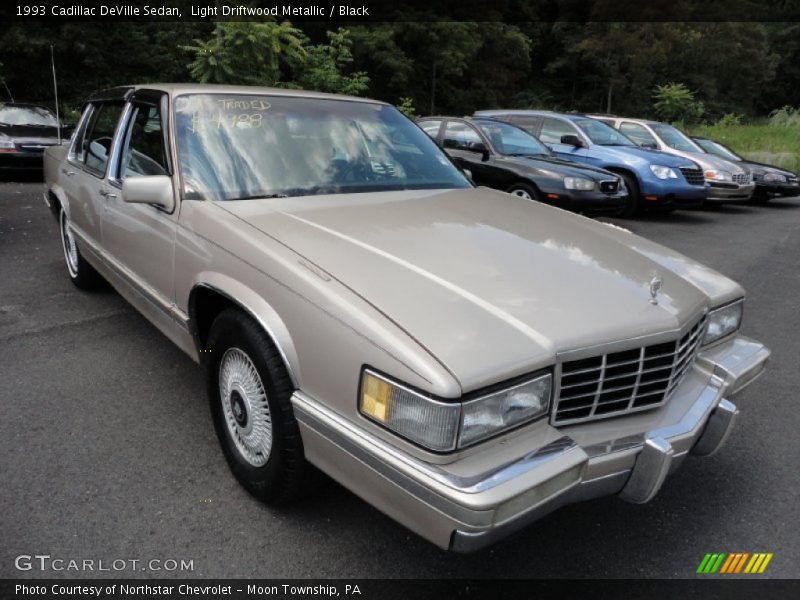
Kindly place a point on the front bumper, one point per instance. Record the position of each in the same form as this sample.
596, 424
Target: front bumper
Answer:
484, 496
21, 160
777, 190
594, 203
730, 192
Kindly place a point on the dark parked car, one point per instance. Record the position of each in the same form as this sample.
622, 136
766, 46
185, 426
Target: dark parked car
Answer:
507, 158
771, 182
25, 131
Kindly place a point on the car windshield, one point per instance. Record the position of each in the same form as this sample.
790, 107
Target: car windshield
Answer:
675, 138
713, 147
35, 116
512, 141
247, 146
601, 134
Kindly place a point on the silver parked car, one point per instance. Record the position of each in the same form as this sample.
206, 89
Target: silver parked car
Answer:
464, 359
729, 181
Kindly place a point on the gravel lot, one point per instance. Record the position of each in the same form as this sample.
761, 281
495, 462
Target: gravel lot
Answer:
107, 449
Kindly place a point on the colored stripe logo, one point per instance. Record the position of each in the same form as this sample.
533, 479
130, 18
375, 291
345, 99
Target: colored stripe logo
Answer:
735, 562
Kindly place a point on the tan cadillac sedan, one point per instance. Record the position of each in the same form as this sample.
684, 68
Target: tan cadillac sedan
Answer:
463, 359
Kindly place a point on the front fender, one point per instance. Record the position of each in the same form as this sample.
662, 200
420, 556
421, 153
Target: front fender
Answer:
257, 307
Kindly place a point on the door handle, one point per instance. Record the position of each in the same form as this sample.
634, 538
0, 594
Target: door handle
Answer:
107, 195
68, 173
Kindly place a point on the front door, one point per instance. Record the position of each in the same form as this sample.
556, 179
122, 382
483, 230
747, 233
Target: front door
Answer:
140, 238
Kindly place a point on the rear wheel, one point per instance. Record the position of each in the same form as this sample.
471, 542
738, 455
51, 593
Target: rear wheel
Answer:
80, 272
250, 393
633, 205
525, 190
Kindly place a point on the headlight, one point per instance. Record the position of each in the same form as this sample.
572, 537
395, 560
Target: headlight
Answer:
713, 175
663, 172
723, 321
774, 178
443, 426
578, 183
6, 144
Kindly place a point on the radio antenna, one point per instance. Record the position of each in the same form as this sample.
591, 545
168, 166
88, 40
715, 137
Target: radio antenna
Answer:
55, 92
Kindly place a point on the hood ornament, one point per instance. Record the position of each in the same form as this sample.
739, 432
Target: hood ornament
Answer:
655, 287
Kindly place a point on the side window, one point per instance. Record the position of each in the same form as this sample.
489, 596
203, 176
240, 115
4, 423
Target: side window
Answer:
460, 136
87, 121
637, 133
144, 152
553, 129
96, 144
529, 124
431, 127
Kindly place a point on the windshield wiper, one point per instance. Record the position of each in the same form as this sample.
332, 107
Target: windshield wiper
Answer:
258, 197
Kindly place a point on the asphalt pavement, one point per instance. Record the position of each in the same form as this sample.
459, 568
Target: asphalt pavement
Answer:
107, 450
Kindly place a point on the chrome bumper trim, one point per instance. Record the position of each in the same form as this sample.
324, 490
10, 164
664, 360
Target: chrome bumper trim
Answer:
719, 427
649, 472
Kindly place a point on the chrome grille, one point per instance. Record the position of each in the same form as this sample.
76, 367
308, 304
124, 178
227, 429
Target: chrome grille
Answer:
741, 178
617, 383
609, 186
693, 176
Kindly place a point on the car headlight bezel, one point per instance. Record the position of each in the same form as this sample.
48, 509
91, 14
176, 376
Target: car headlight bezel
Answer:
718, 175
723, 322
770, 177
663, 172
7, 143
579, 183
443, 426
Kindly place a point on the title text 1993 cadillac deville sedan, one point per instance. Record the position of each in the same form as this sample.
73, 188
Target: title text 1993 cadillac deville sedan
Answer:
464, 359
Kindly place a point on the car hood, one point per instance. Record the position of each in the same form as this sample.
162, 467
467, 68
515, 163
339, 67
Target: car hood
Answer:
711, 161
761, 168
563, 167
655, 157
491, 284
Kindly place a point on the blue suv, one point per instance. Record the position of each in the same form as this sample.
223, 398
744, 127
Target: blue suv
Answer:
654, 179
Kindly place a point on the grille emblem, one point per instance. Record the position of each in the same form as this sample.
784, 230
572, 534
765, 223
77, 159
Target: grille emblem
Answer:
655, 287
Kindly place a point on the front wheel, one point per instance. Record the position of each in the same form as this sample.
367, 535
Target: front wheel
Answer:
524, 190
250, 393
80, 272
633, 205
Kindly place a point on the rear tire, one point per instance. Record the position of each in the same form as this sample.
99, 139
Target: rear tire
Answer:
525, 191
250, 393
80, 272
634, 205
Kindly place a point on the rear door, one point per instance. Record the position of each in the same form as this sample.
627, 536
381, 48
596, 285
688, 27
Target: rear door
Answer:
140, 238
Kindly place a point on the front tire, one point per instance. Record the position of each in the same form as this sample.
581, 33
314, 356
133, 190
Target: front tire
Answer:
80, 272
525, 191
633, 207
250, 393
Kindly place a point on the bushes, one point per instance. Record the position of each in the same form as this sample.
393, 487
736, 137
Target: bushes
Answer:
785, 117
676, 102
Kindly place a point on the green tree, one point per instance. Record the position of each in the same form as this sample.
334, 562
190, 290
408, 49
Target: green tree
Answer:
676, 102
246, 53
406, 107
325, 65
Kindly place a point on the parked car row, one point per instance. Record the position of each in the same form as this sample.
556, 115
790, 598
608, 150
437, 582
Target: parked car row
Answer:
598, 164
464, 359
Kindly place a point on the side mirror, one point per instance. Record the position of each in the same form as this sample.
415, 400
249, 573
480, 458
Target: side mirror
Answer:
478, 148
572, 140
651, 145
152, 189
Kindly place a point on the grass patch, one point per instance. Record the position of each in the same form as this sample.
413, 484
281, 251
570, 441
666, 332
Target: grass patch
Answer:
777, 145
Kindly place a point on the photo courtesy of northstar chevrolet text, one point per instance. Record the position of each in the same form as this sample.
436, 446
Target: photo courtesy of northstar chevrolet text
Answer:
345, 284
